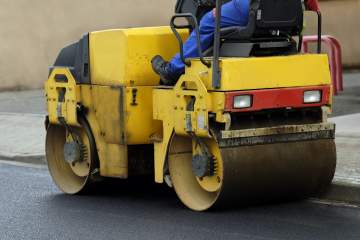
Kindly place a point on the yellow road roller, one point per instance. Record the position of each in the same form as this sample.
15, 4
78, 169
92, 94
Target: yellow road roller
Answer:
247, 122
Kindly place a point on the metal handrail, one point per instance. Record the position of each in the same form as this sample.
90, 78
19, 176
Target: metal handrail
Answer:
216, 74
195, 26
335, 58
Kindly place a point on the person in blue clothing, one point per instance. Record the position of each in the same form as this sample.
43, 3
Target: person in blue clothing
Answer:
233, 13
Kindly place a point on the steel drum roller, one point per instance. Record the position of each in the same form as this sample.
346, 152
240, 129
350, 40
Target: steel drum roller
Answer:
254, 173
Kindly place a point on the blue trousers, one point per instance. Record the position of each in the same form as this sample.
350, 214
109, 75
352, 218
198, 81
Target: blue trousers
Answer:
234, 13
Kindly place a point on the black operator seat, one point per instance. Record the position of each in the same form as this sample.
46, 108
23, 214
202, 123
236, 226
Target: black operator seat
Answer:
198, 8
270, 30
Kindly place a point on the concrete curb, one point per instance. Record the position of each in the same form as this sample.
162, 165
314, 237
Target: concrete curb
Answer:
22, 137
347, 135
343, 193
33, 159
347, 125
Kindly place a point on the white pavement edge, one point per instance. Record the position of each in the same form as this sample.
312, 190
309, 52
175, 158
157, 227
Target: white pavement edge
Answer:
347, 126
22, 137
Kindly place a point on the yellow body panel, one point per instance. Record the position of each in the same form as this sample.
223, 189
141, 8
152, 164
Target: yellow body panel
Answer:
107, 103
65, 108
103, 115
123, 119
266, 72
139, 122
164, 112
122, 57
191, 118
171, 109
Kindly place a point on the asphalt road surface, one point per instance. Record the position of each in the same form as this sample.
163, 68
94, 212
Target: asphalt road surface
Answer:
31, 207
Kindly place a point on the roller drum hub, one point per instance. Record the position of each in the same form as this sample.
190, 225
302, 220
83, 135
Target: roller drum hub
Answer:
72, 152
200, 165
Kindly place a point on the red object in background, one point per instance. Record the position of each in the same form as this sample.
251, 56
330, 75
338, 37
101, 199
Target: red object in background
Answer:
312, 5
277, 98
335, 58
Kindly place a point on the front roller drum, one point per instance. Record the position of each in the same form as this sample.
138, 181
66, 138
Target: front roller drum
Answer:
70, 163
247, 174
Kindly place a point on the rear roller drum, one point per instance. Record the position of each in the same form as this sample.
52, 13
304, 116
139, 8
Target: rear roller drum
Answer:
71, 156
245, 174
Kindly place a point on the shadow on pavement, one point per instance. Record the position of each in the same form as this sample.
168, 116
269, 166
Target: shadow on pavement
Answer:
142, 191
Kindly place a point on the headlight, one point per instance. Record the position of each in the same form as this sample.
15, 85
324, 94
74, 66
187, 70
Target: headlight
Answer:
243, 101
312, 96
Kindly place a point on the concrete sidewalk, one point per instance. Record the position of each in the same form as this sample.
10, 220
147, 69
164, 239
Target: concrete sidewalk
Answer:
346, 184
348, 148
348, 125
22, 137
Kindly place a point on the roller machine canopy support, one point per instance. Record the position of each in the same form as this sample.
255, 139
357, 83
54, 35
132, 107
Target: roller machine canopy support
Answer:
247, 122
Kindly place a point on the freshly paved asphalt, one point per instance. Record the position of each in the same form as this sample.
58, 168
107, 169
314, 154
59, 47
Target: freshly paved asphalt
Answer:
31, 207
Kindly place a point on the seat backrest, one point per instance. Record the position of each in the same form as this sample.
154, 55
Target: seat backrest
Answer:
269, 19
196, 7
278, 15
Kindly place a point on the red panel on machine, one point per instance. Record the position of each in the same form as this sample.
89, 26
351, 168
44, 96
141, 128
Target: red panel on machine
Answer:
277, 98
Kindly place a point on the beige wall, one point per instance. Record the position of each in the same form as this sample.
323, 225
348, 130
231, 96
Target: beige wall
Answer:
33, 31
341, 18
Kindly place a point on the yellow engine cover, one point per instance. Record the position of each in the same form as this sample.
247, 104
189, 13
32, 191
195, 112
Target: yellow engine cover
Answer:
123, 56
266, 72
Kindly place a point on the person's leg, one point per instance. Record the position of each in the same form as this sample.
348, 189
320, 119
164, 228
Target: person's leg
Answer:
206, 30
232, 14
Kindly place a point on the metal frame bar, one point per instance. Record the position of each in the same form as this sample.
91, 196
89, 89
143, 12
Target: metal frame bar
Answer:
192, 24
335, 58
319, 31
216, 74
